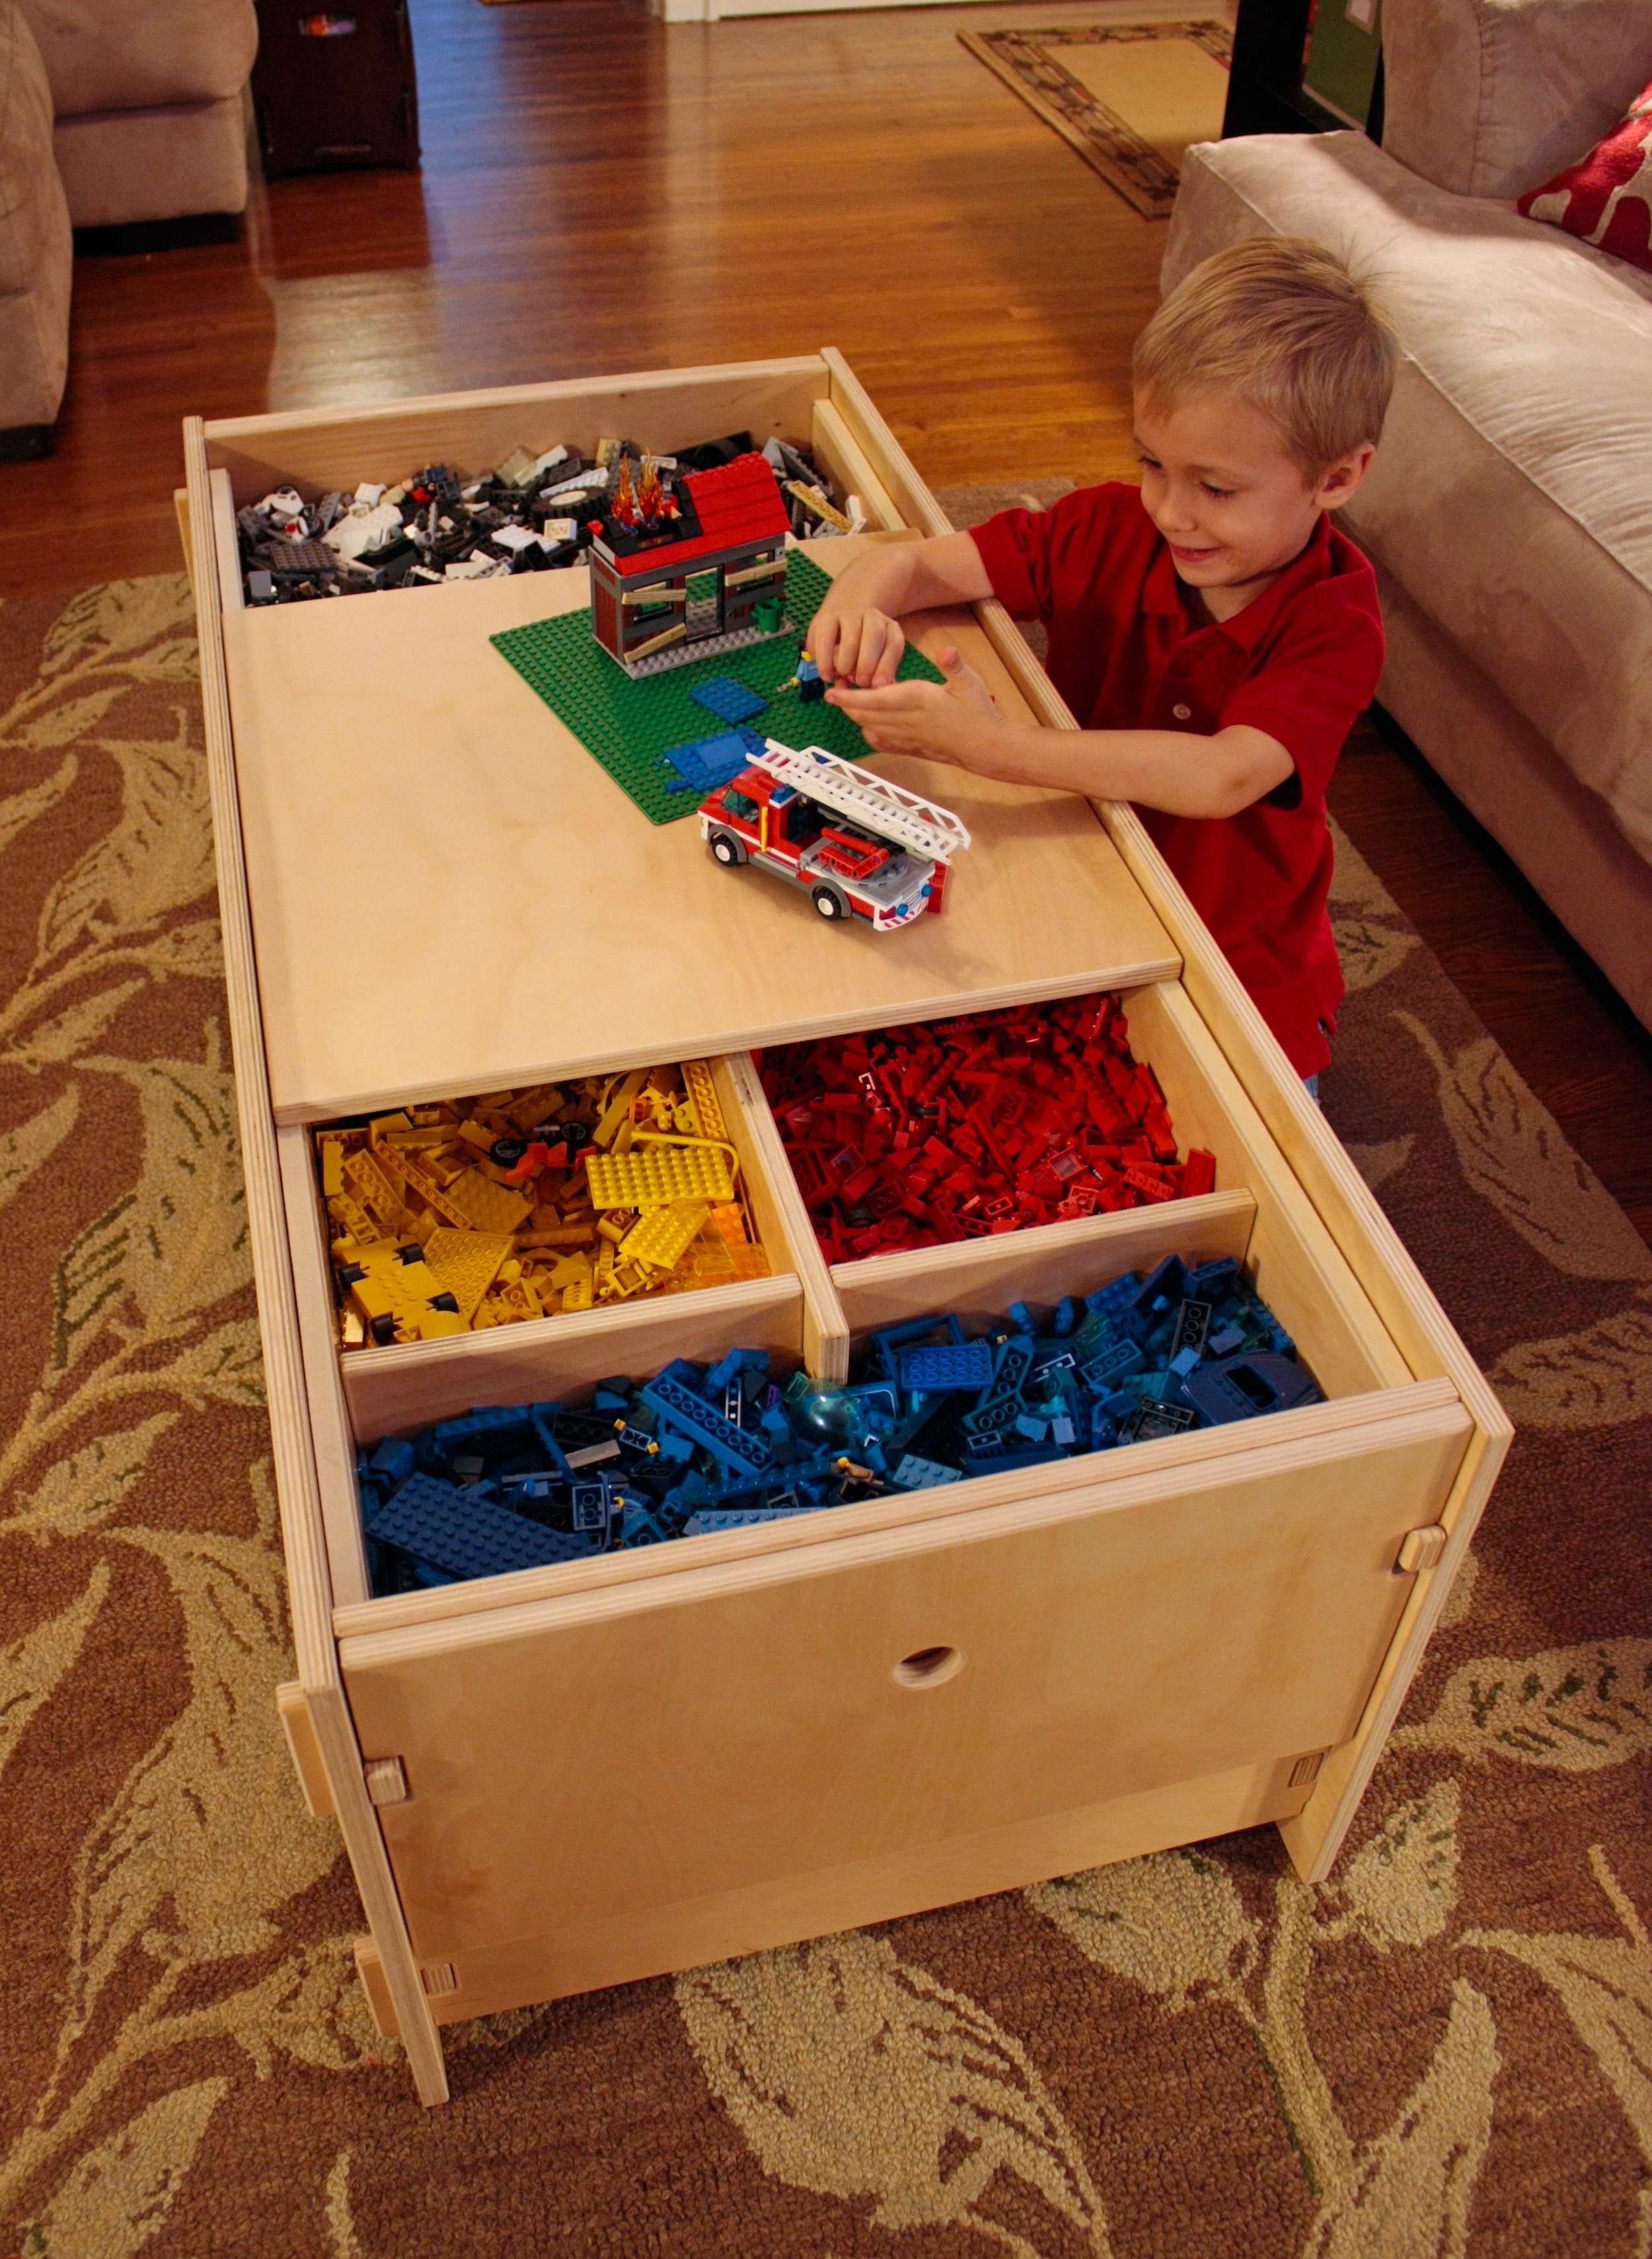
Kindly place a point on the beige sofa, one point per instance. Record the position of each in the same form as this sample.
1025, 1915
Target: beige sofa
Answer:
112, 112
1509, 510
148, 95
35, 253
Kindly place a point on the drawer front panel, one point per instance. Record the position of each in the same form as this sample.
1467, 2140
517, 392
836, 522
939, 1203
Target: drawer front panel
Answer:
716, 1729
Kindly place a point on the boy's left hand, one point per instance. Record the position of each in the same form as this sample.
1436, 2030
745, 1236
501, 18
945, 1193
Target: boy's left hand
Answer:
953, 721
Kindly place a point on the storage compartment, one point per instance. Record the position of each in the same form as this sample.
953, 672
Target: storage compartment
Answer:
975, 1127
505, 1207
1291, 1259
808, 1318
699, 1449
368, 1394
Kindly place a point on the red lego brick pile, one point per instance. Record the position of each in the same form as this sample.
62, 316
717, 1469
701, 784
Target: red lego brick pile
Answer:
963, 1128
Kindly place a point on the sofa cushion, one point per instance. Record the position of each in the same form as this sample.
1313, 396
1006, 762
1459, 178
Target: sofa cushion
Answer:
1512, 495
35, 259
1605, 198
1488, 97
122, 166
129, 54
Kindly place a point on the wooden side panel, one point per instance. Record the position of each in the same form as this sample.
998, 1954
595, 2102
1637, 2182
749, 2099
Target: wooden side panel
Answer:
979, 1279
1112, 1643
305, 1750
394, 1391
619, 1948
231, 595
330, 1420
837, 450
370, 1970
779, 1209
889, 458
1386, 1269
318, 449
1297, 1267
308, 1582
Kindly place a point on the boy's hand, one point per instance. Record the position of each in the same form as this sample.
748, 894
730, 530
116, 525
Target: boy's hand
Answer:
953, 721
855, 642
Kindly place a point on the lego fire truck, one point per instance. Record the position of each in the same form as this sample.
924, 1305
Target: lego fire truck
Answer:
863, 846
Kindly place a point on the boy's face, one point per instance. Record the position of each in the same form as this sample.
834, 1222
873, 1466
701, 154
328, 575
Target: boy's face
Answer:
1231, 504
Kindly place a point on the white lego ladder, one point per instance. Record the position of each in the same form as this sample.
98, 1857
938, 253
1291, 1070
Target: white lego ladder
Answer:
886, 809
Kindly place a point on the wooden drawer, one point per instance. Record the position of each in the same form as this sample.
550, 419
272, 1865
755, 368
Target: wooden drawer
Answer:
1154, 1645
674, 1767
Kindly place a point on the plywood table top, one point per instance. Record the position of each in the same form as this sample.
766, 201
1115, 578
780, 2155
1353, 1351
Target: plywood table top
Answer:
449, 895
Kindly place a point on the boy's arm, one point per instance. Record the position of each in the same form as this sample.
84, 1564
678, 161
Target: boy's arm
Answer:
856, 634
1170, 770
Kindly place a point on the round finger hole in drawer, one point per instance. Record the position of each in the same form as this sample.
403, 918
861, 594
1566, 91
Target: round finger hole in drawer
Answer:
929, 1666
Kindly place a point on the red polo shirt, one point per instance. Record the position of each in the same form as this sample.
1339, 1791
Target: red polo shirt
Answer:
1300, 662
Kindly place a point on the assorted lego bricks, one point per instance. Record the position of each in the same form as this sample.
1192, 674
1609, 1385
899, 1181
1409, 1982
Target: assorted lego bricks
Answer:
521, 1204
537, 511
967, 1127
697, 1450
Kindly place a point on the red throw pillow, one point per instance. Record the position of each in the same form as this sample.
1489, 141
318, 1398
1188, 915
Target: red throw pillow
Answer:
1606, 197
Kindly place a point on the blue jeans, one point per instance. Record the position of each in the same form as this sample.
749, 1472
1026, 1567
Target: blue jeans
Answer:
1311, 1084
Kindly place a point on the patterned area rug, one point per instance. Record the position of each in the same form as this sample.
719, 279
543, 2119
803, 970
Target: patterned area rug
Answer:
1447, 2050
1130, 97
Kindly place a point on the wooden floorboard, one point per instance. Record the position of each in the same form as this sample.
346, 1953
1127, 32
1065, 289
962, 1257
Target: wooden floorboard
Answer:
602, 192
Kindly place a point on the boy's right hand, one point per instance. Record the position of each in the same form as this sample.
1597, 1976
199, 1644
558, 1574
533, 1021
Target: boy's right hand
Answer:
855, 643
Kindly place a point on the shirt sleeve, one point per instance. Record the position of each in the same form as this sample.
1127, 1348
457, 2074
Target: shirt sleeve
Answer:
1014, 548
1042, 561
1311, 689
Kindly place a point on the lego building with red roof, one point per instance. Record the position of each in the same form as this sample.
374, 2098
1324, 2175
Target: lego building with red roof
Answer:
710, 578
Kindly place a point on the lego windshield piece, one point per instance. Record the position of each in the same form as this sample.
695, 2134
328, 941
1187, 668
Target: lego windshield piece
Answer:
631, 728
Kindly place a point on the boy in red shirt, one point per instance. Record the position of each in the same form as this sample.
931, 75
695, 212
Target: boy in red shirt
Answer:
1213, 633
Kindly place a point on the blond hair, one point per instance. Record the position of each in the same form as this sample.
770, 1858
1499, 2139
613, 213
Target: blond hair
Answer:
1281, 321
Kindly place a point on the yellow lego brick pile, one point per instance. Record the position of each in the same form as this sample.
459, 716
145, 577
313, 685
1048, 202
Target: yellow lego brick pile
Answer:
631, 1187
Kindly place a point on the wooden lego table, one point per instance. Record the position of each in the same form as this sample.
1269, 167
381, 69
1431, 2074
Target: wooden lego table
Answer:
428, 888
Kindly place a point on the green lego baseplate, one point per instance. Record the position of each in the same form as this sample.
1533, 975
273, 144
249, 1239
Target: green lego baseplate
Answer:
630, 727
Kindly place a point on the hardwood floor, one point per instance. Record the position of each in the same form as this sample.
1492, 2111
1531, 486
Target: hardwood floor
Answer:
599, 192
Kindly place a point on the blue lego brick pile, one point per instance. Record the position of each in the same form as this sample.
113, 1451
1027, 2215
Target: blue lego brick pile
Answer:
696, 1451
636, 730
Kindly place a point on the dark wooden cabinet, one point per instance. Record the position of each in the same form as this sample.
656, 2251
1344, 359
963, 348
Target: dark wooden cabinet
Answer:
335, 89
1265, 84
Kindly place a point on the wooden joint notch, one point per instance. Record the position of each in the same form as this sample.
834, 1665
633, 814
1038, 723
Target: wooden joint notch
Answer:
438, 1978
304, 1750
370, 1970
386, 1780
1419, 1550
1307, 1769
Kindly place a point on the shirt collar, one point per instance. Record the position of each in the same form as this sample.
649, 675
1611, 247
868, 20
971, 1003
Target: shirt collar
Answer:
1163, 591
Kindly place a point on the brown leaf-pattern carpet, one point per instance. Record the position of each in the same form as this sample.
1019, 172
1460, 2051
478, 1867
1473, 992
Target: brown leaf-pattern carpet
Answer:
1446, 2050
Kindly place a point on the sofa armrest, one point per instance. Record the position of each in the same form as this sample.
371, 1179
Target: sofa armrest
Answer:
138, 54
35, 253
1491, 98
